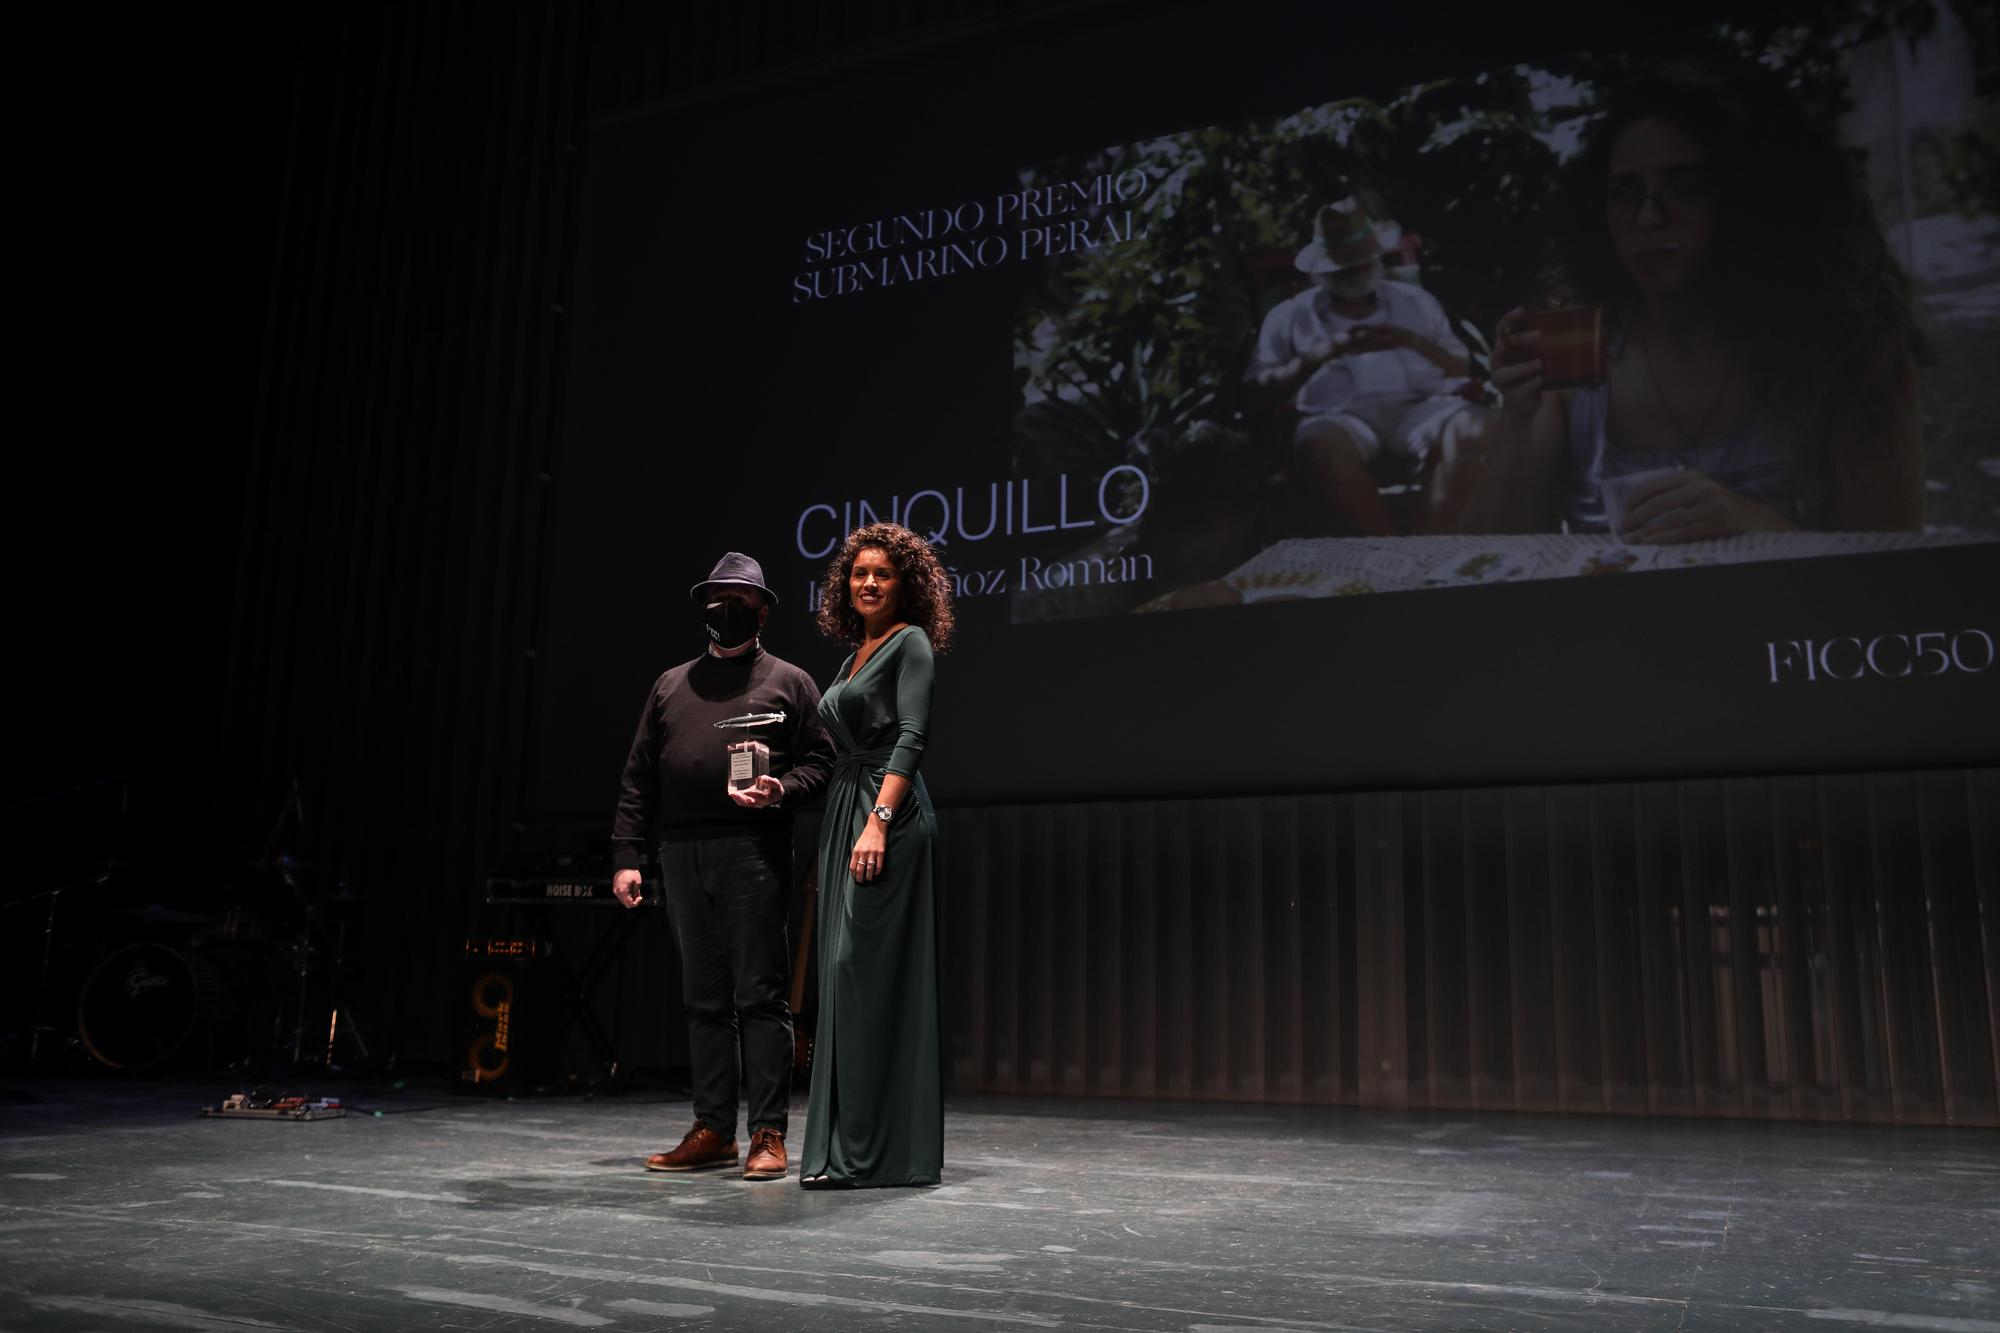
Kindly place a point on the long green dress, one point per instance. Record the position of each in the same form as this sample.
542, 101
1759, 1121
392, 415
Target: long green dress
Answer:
876, 1116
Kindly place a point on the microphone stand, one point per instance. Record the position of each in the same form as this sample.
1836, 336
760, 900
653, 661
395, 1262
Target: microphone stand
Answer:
312, 939
293, 809
333, 1018
303, 947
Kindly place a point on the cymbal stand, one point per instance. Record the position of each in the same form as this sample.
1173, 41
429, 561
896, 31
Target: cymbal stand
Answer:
54, 895
42, 984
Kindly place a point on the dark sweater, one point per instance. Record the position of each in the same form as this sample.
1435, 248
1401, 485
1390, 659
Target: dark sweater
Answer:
676, 775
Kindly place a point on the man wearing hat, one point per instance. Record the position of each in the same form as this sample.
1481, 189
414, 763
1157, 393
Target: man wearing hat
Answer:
1368, 362
725, 862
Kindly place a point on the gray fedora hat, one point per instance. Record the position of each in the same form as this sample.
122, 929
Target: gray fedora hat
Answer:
737, 569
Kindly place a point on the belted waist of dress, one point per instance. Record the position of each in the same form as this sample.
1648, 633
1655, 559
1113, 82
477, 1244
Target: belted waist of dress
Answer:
866, 758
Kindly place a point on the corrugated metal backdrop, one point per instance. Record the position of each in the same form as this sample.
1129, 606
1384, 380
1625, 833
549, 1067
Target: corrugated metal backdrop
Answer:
1815, 947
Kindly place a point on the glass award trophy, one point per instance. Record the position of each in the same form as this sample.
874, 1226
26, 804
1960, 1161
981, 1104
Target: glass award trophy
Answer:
749, 756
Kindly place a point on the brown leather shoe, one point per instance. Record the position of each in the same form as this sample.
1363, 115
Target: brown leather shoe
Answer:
701, 1147
767, 1156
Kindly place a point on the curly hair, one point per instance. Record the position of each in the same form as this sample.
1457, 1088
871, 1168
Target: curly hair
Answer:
924, 597
1802, 270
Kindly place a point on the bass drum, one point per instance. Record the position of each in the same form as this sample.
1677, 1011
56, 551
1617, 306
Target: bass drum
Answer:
146, 1006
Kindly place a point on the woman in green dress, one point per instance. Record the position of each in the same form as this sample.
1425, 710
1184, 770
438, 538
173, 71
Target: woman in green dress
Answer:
876, 1115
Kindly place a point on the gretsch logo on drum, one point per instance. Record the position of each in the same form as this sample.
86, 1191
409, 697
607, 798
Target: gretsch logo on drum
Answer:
142, 979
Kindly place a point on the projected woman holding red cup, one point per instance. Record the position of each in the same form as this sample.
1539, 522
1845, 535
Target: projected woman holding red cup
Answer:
877, 1111
1738, 355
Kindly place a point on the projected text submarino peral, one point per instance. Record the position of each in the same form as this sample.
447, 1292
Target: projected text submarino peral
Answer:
1033, 222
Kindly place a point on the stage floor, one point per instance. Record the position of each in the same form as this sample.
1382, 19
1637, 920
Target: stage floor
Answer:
120, 1208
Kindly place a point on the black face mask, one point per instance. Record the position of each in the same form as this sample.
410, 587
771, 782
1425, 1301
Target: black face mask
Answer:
730, 623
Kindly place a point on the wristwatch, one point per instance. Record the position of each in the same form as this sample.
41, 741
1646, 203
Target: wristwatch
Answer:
885, 813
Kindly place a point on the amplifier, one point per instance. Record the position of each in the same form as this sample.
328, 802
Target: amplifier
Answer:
541, 891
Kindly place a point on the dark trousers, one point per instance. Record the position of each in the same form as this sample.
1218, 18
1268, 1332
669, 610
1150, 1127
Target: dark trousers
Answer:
726, 898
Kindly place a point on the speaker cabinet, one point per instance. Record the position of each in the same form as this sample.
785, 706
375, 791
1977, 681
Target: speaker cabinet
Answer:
509, 1034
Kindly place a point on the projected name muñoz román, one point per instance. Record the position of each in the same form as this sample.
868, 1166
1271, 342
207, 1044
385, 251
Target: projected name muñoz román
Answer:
973, 514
